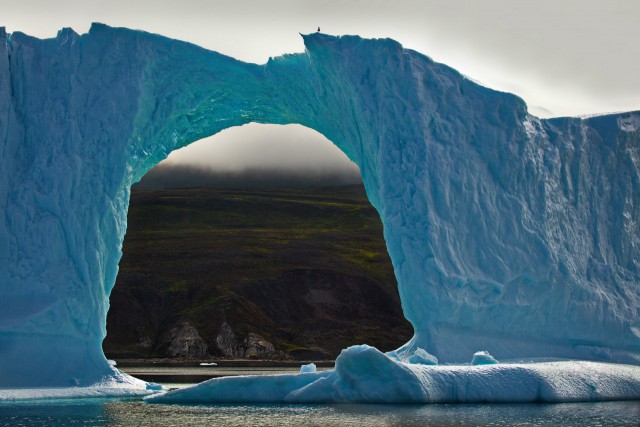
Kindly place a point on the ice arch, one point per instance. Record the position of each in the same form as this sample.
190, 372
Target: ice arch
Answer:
507, 233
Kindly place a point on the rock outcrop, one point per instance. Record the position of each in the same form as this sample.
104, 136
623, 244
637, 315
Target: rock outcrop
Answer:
253, 346
185, 341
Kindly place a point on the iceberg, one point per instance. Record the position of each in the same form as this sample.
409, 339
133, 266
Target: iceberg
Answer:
483, 358
364, 374
309, 367
507, 232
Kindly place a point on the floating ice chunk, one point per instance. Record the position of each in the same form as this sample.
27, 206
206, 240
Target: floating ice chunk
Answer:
305, 369
422, 357
364, 374
483, 358
208, 364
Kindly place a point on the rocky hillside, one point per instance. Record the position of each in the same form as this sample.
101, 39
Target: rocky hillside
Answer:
263, 273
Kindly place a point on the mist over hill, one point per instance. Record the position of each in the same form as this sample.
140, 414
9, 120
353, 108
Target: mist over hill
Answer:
167, 176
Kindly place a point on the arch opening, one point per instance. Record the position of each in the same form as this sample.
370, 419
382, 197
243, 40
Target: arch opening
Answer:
256, 243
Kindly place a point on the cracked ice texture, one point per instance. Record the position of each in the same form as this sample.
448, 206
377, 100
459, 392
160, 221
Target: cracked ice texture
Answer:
506, 232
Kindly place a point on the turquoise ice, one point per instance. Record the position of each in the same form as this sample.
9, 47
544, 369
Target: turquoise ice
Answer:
507, 233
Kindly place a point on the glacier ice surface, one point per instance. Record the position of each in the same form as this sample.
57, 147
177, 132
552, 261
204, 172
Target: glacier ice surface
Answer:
422, 357
507, 232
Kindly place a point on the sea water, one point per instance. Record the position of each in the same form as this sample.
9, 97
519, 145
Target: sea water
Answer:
134, 412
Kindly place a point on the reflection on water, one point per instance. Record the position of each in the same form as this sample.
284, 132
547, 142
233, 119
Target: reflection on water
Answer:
58, 412
123, 412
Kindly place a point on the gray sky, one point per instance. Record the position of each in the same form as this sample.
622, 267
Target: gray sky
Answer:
568, 56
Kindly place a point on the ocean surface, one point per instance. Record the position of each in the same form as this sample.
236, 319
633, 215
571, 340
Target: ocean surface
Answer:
134, 412
124, 412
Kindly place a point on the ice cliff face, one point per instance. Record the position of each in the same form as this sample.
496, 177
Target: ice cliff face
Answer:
507, 233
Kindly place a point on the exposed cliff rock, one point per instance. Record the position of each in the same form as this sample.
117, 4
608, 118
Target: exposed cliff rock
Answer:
227, 342
253, 346
185, 341
256, 347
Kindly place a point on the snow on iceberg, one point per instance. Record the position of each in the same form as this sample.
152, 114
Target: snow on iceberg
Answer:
507, 233
364, 374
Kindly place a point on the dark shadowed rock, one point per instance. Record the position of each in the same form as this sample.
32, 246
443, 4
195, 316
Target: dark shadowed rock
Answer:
184, 341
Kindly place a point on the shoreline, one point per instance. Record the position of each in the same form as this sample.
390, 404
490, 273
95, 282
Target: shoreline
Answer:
219, 363
189, 372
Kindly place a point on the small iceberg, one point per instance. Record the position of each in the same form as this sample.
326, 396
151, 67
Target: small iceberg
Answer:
308, 368
483, 358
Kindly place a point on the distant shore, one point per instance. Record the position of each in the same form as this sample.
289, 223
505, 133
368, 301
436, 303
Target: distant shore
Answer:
172, 372
222, 363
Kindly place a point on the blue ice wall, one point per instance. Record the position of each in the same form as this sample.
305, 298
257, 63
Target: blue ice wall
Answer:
507, 233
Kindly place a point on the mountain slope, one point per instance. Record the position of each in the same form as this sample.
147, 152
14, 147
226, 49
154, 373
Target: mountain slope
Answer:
304, 270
